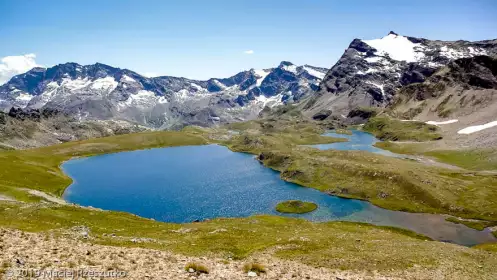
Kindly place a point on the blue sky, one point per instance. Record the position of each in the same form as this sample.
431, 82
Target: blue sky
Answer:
202, 39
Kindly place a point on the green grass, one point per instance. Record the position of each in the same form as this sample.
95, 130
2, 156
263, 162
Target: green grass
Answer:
296, 207
386, 128
477, 159
332, 245
409, 186
402, 148
476, 224
474, 159
387, 182
491, 247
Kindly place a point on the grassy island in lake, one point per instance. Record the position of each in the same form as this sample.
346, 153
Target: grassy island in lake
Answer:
296, 207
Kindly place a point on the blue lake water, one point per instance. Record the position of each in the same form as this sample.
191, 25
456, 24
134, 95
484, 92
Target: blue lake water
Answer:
183, 184
358, 141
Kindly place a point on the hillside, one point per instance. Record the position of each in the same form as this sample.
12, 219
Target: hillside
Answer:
77, 237
29, 128
370, 72
460, 98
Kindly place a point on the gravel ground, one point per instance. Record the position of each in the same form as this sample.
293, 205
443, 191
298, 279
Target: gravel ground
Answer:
21, 251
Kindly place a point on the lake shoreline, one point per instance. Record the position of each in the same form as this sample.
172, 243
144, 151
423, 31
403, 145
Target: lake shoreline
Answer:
438, 218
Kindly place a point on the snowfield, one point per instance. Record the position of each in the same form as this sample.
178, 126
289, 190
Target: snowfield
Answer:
397, 48
442, 122
476, 128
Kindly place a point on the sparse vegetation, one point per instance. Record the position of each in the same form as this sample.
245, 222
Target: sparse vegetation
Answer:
254, 267
197, 268
296, 207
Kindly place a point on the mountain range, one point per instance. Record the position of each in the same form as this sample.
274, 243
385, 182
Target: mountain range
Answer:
370, 73
103, 92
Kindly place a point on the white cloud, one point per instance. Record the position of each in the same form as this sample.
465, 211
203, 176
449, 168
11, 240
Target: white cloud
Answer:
249, 52
15, 65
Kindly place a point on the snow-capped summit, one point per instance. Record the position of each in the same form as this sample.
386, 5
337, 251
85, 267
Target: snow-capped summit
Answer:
101, 91
397, 48
370, 71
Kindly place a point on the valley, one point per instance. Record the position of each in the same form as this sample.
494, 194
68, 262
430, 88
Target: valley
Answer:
278, 144
391, 154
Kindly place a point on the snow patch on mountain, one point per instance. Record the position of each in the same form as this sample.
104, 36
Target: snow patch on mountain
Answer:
369, 70
269, 101
197, 87
315, 73
437, 123
381, 87
397, 47
24, 97
126, 78
75, 84
474, 51
219, 84
142, 98
261, 75
290, 68
107, 83
476, 128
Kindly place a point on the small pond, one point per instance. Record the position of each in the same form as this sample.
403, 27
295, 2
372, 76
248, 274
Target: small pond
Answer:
358, 141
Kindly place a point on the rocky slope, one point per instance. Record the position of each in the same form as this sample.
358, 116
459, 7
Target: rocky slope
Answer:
460, 98
371, 71
70, 255
102, 92
28, 128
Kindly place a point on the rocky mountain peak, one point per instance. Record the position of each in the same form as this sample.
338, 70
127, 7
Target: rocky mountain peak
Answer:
285, 63
371, 71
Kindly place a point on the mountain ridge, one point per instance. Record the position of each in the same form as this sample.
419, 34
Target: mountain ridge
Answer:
100, 91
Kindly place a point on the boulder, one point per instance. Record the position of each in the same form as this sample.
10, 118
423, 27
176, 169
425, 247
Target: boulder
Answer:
322, 115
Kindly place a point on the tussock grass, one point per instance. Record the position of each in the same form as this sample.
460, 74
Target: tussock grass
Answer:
198, 268
255, 267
